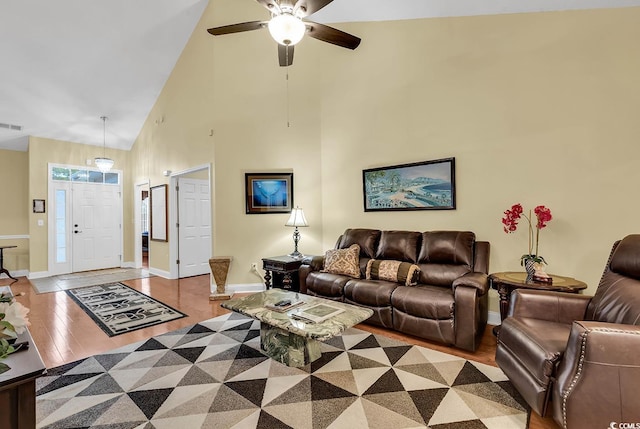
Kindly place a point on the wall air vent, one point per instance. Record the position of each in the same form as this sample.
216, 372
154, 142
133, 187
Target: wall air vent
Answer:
11, 127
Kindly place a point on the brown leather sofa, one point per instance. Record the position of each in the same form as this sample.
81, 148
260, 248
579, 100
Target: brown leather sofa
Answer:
579, 354
449, 302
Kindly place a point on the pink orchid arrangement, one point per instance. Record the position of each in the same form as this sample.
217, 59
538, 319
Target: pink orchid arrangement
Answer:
510, 224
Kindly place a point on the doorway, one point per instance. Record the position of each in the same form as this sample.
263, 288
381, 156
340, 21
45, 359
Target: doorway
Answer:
85, 219
141, 214
190, 237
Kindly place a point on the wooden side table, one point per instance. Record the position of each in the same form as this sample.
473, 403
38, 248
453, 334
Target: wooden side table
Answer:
507, 282
18, 385
280, 269
2, 268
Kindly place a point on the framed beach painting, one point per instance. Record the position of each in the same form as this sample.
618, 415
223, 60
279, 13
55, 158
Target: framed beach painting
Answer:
268, 192
427, 185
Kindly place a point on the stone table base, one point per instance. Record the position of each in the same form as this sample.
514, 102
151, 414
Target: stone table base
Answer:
288, 348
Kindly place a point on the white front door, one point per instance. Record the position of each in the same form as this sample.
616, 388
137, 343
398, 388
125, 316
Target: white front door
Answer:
194, 226
95, 226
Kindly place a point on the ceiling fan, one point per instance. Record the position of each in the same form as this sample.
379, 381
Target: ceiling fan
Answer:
287, 27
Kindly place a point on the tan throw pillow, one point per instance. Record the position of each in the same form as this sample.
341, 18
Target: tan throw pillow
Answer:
343, 261
393, 271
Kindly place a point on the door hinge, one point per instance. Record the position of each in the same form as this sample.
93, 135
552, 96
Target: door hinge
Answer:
178, 261
177, 188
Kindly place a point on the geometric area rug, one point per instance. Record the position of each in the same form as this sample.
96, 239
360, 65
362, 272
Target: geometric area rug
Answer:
213, 375
117, 309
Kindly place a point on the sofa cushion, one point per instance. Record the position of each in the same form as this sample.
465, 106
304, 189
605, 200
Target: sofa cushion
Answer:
445, 256
426, 302
343, 261
367, 239
447, 247
399, 245
393, 271
372, 293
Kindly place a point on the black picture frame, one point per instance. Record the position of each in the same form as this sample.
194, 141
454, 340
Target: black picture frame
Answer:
426, 185
268, 192
39, 206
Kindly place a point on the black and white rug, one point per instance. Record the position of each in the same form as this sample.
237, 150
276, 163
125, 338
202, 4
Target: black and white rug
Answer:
213, 375
119, 309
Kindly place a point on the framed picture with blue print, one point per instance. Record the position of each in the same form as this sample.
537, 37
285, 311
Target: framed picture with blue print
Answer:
268, 192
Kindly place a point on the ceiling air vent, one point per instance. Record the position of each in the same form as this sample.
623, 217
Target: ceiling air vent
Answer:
11, 127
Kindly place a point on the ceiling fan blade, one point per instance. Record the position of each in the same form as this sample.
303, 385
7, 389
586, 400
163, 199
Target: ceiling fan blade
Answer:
237, 28
332, 35
307, 7
271, 5
285, 55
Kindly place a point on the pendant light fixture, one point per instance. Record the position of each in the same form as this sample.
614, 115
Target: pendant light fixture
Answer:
103, 163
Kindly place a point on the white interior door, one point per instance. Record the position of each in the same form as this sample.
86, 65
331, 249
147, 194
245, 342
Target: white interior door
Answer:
194, 226
96, 223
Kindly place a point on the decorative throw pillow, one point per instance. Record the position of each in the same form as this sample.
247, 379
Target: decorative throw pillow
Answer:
393, 271
343, 261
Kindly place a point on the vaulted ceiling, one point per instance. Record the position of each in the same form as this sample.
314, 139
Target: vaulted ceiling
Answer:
65, 63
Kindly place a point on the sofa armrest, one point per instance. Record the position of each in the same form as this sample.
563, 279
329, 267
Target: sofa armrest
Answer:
558, 307
597, 379
476, 280
309, 264
315, 263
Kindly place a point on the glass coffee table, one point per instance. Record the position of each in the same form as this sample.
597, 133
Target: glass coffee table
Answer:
286, 336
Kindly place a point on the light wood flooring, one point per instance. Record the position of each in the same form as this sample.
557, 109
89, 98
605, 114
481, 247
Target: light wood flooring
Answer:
64, 333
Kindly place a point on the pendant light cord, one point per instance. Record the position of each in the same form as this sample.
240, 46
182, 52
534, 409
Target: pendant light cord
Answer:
104, 136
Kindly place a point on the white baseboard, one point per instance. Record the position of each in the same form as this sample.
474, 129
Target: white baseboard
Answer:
38, 275
160, 273
494, 318
246, 287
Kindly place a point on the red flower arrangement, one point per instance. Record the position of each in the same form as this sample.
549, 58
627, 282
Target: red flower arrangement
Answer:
510, 222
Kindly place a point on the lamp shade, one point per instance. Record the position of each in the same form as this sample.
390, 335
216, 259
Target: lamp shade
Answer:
297, 218
286, 29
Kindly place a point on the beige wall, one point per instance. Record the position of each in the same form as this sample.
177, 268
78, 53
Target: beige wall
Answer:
15, 207
536, 108
41, 153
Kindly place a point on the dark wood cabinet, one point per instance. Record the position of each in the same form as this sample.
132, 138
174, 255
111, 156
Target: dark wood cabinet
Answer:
282, 272
18, 385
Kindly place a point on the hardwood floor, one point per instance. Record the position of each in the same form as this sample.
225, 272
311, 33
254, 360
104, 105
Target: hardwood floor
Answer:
64, 333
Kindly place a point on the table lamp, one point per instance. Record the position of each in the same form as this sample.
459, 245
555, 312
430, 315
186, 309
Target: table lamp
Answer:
296, 219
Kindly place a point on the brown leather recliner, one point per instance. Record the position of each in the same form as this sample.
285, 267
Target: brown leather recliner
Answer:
579, 354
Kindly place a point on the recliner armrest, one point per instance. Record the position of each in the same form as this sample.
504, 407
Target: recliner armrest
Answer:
309, 264
479, 281
558, 307
315, 263
597, 379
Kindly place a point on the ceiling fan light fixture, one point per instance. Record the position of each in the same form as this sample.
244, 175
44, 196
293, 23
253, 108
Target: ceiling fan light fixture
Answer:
286, 29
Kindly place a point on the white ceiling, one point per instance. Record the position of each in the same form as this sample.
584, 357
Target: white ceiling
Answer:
65, 63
